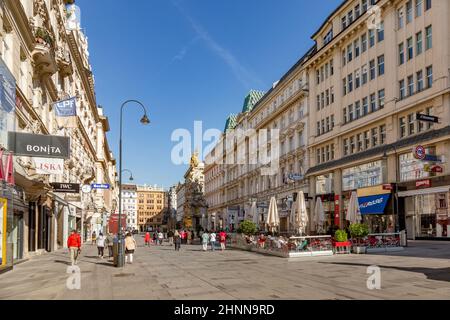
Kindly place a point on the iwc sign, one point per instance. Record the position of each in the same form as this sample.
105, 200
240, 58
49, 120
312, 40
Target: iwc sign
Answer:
40, 146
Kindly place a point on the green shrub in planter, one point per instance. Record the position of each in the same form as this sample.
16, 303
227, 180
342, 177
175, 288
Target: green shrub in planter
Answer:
341, 236
247, 227
359, 230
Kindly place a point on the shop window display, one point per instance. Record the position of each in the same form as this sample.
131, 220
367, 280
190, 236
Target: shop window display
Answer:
432, 215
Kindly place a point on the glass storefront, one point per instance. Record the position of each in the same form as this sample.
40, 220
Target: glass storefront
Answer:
414, 169
428, 215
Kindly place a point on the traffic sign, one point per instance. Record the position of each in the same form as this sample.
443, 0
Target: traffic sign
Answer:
419, 153
86, 188
427, 118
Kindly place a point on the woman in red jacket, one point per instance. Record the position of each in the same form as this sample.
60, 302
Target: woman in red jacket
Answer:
147, 239
222, 239
74, 245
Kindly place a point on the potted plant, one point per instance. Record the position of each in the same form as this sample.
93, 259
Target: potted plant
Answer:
359, 231
341, 236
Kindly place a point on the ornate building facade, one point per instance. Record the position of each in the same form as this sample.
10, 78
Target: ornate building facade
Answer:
47, 54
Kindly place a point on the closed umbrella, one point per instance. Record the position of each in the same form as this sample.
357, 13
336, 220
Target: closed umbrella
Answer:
319, 216
353, 211
254, 213
292, 215
273, 219
302, 215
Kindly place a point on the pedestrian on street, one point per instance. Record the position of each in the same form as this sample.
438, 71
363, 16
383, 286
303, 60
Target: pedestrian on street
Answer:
177, 238
147, 239
94, 238
170, 235
74, 245
222, 239
101, 245
110, 243
155, 238
189, 237
205, 239
160, 238
130, 247
212, 239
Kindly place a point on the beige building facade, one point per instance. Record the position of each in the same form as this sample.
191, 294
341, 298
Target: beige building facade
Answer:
46, 54
151, 204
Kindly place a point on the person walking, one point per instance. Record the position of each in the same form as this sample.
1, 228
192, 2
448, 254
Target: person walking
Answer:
170, 235
189, 236
222, 239
130, 247
205, 239
74, 245
147, 239
177, 238
160, 238
101, 245
94, 238
109, 243
212, 239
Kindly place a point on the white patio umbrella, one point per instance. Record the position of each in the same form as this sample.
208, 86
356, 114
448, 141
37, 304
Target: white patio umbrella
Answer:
353, 211
273, 219
302, 215
319, 215
292, 215
254, 213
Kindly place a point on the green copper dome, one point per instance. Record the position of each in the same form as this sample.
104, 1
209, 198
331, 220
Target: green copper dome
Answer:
231, 122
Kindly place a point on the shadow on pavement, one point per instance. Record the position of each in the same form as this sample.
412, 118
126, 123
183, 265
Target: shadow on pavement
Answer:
67, 263
440, 274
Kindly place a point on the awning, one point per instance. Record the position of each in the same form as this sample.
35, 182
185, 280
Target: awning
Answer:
417, 192
373, 204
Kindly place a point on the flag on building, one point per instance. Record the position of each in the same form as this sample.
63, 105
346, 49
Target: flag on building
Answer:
10, 170
66, 113
2, 174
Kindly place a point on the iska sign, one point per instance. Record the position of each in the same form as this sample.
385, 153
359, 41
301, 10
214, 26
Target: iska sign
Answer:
40, 146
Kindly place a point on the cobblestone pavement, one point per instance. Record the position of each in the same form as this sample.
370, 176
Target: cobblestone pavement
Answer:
422, 271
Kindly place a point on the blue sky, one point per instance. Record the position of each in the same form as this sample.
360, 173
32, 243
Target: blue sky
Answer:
188, 60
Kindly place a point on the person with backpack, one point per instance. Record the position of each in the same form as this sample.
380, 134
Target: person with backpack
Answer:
177, 239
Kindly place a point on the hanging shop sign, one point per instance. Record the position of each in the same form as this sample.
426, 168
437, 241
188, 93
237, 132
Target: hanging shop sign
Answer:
423, 184
388, 186
100, 186
373, 204
66, 187
49, 165
40, 146
427, 118
295, 176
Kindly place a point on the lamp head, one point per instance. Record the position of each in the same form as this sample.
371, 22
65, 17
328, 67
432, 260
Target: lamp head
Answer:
131, 178
145, 120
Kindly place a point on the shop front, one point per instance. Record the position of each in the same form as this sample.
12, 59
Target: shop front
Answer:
376, 200
425, 196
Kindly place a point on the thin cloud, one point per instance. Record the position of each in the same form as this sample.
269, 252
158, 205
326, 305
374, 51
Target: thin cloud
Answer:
242, 74
180, 56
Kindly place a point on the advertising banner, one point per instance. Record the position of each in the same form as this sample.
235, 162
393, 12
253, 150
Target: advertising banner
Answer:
373, 204
49, 165
7, 103
66, 113
3, 213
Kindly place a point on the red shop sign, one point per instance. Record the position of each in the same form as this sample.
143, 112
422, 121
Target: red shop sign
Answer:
387, 187
423, 184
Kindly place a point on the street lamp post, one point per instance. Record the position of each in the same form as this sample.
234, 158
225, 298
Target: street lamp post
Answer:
145, 121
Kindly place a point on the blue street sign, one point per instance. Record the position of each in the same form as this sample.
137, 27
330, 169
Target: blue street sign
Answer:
100, 186
432, 158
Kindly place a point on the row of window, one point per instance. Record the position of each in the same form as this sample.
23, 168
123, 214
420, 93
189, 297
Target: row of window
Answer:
359, 46
406, 89
362, 108
325, 98
141, 221
150, 208
409, 11
325, 154
365, 140
419, 45
327, 70
325, 125
355, 12
409, 125
360, 75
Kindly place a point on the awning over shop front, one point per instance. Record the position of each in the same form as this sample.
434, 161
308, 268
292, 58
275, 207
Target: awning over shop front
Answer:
375, 204
417, 192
